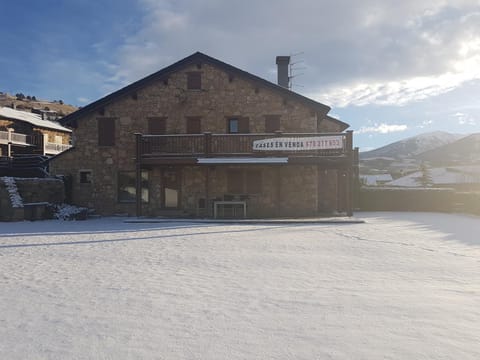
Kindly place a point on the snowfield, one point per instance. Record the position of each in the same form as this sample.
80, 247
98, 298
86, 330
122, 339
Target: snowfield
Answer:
400, 286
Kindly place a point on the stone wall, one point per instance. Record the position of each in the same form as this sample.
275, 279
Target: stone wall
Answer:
222, 96
31, 190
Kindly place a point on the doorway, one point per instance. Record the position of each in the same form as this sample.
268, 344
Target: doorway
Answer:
171, 180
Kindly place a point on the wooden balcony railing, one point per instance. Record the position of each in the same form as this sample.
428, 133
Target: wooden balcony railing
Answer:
55, 148
15, 138
208, 144
36, 141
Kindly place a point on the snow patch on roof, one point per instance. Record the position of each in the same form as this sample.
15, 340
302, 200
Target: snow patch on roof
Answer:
31, 118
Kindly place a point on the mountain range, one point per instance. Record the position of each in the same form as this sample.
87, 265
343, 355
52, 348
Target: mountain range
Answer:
413, 146
436, 149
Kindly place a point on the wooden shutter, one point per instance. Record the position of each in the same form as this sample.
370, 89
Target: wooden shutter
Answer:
106, 131
194, 125
194, 80
272, 123
243, 125
157, 125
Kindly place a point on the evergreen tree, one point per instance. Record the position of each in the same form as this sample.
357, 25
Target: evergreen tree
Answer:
425, 178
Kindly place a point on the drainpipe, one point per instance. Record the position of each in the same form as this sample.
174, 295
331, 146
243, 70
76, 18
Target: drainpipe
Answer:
138, 174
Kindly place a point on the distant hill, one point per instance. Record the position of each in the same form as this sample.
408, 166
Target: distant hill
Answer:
412, 146
25, 104
463, 151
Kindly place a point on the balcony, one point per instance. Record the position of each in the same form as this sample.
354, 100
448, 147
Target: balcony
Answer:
55, 148
35, 141
15, 138
189, 148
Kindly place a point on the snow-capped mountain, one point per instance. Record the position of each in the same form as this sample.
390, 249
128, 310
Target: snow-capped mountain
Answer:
463, 151
413, 146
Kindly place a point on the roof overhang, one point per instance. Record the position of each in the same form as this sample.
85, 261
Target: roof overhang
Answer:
242, 160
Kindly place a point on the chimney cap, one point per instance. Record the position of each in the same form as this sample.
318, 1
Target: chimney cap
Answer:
282, 59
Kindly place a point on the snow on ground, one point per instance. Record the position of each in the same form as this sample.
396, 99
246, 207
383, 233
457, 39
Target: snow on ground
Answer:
400, 286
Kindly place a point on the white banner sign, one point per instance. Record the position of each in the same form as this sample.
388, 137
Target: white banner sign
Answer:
299, 144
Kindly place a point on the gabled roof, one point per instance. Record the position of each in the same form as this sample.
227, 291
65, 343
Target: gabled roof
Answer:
31, 118
195, 58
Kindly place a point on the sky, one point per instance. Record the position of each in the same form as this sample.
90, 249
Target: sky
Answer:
391, 69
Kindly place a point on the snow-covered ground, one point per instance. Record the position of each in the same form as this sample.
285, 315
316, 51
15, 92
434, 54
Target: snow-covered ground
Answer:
400, 286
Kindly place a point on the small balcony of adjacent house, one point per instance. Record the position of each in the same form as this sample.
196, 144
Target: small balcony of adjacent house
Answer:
209, 147
38, 143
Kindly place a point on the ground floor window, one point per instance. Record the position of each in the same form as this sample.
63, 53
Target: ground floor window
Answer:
85, 176
126, 186
244, 181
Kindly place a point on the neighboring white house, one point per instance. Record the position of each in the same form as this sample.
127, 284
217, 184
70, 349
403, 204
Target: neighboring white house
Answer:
23, 132
375, 180
446, 176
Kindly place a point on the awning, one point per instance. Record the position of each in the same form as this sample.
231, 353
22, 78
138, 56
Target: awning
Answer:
243, 160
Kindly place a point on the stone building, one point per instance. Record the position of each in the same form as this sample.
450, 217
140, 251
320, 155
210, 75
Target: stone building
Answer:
204, 138
23, 132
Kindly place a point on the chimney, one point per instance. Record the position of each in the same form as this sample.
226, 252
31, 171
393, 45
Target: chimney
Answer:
283, 63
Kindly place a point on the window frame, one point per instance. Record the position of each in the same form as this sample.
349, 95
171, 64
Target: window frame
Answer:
242, 125
145, 191
85, 176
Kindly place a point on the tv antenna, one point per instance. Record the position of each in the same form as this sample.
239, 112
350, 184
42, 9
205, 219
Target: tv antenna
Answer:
294, 68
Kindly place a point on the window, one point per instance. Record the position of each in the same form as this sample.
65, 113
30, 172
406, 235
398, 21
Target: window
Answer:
106, 131
272, 123
232, 126
194, 125
157, 125
244, 181
85, 176
194, 80
238, 125
127, 186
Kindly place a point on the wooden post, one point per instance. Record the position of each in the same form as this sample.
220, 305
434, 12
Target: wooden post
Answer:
208, 143
207, 190
349, 173
138, 173
356, 179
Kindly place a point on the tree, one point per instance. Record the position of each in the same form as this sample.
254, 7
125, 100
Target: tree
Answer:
425, 178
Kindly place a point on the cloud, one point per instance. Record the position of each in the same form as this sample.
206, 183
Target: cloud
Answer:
464, 119
382, 128
83, 100
390, 53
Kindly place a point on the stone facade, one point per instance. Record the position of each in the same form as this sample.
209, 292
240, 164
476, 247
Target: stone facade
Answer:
287, 190
30, 190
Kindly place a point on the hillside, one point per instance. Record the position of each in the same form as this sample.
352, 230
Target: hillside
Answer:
412, 146
27, 105
463, 151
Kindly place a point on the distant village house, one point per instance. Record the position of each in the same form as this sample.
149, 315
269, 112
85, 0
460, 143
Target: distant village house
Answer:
27, 133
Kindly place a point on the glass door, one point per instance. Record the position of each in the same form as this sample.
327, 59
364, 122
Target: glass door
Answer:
171, 189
